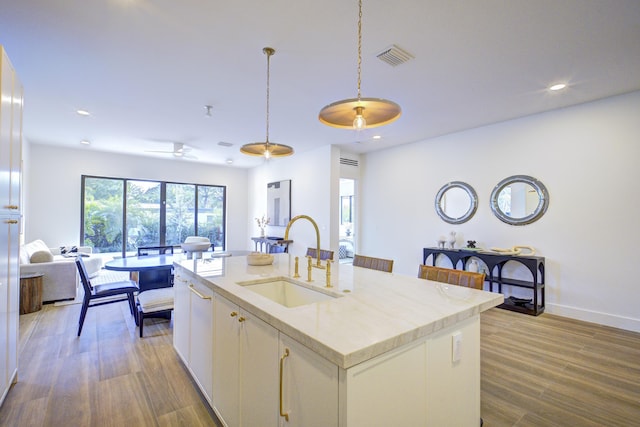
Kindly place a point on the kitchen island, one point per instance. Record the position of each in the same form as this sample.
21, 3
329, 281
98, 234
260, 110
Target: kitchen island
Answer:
383, 349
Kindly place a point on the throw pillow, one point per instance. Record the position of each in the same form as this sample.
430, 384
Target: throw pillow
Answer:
41, 256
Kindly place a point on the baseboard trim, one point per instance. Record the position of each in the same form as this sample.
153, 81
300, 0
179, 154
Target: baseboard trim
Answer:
607, 319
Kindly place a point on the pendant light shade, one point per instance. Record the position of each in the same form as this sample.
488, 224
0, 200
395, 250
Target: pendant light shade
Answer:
267, 149
359, 113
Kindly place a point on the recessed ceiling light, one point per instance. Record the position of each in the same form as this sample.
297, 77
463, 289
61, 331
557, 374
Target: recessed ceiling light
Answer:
377, 137
83, 112
85, 142
229, 161
557, 86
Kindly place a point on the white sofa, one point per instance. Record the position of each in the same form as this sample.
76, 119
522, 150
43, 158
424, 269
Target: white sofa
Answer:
60, 280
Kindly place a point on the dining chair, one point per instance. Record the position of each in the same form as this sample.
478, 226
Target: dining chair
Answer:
451, 276
380, 264
97, 293
155, 250
324, 254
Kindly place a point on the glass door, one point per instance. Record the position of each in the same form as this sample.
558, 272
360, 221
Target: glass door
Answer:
346, 246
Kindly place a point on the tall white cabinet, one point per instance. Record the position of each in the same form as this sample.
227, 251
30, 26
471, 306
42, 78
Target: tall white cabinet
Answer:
11, 96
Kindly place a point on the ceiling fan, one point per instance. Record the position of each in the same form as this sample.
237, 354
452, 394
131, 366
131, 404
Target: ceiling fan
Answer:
180, 150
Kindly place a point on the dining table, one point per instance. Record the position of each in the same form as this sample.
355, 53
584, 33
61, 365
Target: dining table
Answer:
153, 271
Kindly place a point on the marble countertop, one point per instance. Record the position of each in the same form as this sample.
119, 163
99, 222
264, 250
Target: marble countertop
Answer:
374, 312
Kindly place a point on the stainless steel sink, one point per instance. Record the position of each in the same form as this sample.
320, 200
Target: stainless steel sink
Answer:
287, 292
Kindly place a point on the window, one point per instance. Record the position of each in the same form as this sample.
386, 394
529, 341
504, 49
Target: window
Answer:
120, 215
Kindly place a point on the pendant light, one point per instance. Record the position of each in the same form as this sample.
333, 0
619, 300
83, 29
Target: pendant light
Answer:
359, 113
267, 149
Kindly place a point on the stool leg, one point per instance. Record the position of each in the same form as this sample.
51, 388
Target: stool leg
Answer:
140, 320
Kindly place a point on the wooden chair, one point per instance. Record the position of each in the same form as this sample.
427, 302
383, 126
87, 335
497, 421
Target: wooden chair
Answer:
154, 303
380, 264
454, 277
155, 250
98, 292
324, 254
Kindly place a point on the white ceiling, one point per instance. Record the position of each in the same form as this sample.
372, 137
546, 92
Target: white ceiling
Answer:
145, 69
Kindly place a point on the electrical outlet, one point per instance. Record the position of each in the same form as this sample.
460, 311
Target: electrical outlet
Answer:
456, 347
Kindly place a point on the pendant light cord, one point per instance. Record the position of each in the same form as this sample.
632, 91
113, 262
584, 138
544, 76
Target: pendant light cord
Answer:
269, 53
359, 45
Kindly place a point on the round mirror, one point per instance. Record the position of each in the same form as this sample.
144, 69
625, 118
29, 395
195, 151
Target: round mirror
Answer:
519, 200
456, 202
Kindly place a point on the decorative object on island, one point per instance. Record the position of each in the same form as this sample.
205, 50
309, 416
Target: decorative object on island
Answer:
267, 149
359, 113
519, 200
262, 223
259, 258
471, 244
456, 202
195, 245
452, 239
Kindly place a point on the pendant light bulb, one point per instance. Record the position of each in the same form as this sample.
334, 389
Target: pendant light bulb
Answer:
359, 122
267, 153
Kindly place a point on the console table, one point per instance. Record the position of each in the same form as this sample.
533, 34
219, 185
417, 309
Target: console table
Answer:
272, 244
495, 263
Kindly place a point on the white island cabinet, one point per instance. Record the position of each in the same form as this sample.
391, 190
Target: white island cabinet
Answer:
393, 350
193, 321
245, 363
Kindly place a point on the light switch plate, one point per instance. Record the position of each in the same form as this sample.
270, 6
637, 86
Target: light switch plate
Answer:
456, 347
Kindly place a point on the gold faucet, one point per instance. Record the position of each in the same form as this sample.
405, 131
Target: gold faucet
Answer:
329, 273
294, 219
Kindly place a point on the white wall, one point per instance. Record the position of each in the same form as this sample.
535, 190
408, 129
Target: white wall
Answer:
587, 157
53, 192
311, 186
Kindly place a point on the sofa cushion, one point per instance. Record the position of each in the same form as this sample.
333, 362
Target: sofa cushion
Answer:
41, 256
30, 248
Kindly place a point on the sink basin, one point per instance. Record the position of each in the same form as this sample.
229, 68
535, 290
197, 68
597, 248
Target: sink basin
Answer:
287, 292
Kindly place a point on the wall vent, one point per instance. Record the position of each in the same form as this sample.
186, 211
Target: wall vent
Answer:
348, 162
394, 55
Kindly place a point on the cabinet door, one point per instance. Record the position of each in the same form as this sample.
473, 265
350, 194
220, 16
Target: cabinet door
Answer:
6, 97
201, 336
310, 386
226, 364
181, 310
15, 176
259, 372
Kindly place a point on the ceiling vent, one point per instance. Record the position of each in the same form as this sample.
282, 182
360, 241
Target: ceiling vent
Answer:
348, 162
224, 144
394, 55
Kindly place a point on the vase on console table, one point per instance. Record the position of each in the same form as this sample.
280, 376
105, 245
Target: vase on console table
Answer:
452, 240
262, 233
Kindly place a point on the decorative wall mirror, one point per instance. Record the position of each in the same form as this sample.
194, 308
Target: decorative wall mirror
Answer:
519, 200
279, 202
456, 202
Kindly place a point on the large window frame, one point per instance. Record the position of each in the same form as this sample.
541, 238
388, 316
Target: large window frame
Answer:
123, 242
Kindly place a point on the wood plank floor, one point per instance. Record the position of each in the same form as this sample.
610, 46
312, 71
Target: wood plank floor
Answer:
536, 371
554, 371
107, 377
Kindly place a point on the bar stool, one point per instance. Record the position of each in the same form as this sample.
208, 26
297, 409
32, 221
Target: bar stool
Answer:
154, 302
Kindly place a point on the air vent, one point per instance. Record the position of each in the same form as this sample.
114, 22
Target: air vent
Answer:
348, 162
394, 55
225, 144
